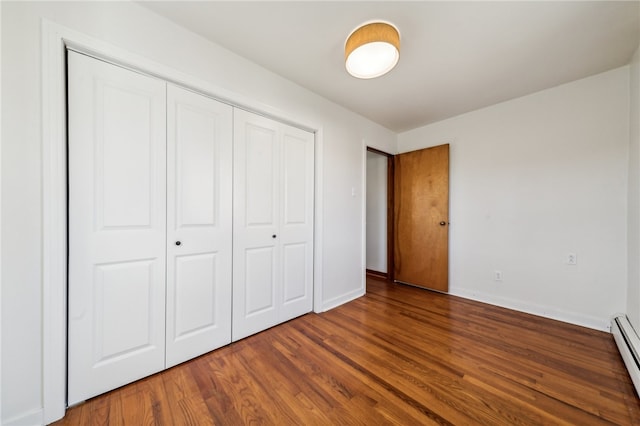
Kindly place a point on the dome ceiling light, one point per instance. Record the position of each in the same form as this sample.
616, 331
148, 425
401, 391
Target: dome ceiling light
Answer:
372, 50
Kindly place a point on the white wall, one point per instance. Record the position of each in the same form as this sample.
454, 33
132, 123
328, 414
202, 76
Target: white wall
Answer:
131, 27
531, 180
0, 231
633, 215
376, 212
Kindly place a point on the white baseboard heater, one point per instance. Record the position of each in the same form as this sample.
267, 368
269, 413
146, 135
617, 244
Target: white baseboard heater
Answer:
629, 346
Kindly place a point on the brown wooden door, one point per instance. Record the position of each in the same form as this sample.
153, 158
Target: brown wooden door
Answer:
421, 214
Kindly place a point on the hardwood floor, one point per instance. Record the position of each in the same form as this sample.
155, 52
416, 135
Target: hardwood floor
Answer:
399, 355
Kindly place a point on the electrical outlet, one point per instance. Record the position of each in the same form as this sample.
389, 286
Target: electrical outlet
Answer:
497, 275
572, 259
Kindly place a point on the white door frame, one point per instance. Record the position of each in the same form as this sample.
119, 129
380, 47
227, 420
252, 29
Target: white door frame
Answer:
55, 40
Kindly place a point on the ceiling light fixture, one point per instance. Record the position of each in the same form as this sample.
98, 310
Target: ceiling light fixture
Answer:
372, 50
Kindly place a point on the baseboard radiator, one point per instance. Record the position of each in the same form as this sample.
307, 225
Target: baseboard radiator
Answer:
629, 346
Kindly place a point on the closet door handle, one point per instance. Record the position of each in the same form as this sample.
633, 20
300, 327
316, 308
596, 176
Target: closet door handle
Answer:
443, 223
273, 236
178, 243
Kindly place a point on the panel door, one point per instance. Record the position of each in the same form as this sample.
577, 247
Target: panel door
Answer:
256, 192
199, 224
273, 223
421, 214
117, 225
296, 222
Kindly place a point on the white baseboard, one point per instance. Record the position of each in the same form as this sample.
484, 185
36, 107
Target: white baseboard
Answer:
342, 299
602, 324
31, 418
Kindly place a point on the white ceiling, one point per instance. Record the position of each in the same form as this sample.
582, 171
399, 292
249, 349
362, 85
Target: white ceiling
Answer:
455, 56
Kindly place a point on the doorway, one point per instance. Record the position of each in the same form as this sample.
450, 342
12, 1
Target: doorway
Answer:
407, 217
379, 214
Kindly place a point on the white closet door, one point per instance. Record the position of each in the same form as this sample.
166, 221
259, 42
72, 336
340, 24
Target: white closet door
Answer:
296, 226
117, 226
199, 224
256, 217
273, 223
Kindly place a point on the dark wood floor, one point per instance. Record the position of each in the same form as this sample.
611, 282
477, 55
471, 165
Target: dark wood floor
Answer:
399, 355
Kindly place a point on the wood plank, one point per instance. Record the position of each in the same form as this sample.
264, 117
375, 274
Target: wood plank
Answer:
399, 355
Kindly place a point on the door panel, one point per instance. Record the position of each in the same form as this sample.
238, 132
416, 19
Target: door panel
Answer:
296, 197
196, 160
122, 200
113, 313
260, 172
294, 267
260, 282
195, 297
421, 214
199, 217
117, 203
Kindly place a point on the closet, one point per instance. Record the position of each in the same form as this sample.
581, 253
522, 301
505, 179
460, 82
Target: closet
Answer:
171, 249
